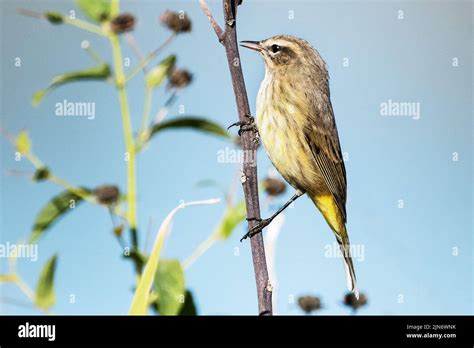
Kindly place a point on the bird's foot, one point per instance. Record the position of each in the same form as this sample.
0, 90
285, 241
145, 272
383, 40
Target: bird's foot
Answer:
257, 228
247, 125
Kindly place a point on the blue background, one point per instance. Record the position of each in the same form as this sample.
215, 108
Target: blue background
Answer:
408, 251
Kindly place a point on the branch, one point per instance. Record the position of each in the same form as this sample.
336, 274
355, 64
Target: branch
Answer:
149, 57
220, 34
250, 184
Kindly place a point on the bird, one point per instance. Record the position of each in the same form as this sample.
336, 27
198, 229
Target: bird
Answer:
295, 122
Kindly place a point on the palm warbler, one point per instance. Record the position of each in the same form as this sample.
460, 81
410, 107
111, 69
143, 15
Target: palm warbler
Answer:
296, 123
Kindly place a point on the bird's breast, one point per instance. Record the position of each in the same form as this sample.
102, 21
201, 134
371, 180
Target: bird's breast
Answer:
280, 123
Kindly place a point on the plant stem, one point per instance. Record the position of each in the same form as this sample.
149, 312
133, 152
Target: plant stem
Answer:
25, 288
114, 8
128, 134
94, 55
146, 108
34, 160
86, 196
84, 25
250, 186
152, 55
161, 114
128, 137
76, 190
67, 20
200, 250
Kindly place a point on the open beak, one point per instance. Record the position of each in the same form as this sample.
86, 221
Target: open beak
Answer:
253, 45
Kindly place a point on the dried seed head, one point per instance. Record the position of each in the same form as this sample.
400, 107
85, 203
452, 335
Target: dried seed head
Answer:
179, 78
178, 22
54, 17
41, 174
274, 187
122, 23
351, 300
309, 303
107, 194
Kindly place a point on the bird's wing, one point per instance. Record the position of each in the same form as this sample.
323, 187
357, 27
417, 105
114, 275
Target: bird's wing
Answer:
323, 140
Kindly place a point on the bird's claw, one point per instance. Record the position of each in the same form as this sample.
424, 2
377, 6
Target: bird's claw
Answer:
257, 228
245, 126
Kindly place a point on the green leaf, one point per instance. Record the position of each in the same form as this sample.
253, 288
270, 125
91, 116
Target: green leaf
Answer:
44, 295
191, 122
99, 72
233, 216
140, 300
97, 10
169, 286
188, 308
53, 210
23, 143
158, 74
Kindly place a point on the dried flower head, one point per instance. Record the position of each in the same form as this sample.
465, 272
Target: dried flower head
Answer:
54, 17
122, 23
309, 304
41, 174
274, 187
351, 300
178, 22
179, 78
107, 194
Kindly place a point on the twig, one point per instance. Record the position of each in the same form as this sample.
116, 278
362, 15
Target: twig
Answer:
70, 21
250, 185
220, 34
201, 249
161, 114
132, 43
149, 57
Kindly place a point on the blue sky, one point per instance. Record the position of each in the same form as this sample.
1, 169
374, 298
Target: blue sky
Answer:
408, 264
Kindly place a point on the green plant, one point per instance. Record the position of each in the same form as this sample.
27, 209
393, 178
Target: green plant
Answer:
160, 283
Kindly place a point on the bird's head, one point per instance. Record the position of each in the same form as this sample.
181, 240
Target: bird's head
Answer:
286, 51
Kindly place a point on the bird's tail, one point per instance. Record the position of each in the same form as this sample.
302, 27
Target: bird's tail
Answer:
331, 213
344, 244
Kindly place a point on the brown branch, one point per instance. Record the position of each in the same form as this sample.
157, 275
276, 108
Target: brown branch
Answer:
250, 185
220, 34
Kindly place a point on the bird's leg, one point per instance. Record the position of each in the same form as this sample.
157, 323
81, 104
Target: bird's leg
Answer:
265, 222
247, 125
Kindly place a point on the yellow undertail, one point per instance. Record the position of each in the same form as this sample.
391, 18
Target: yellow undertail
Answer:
327, 206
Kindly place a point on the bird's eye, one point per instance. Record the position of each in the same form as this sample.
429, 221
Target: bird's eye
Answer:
275, 48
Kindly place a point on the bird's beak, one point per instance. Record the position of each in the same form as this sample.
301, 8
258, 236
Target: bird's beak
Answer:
253, 45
